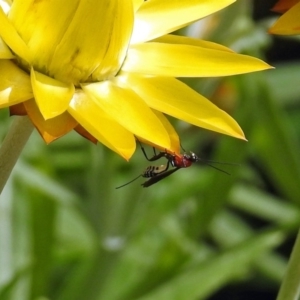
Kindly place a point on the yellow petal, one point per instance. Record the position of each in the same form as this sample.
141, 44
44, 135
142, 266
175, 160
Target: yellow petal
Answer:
99, 124
177, 39
159, 17
173, 97
137, 4
127, 108
5, 5
289, 23
174, 138
15, 86
52, 96
52, 129
5, 53
80, 130
71, 39
188, 61
110, 23
12, 39
32, 20
118, 38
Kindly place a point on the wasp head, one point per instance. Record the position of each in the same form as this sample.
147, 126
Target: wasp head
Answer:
192, 157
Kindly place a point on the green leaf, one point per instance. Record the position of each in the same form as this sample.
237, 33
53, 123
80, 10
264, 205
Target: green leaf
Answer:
204, 278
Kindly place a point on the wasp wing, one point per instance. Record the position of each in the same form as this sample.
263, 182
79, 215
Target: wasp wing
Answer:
159, 177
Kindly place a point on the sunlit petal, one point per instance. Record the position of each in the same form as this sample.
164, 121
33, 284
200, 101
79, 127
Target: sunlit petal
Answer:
32, 20
137, 4
174, 138
98, 123
99, 35
52, 96
127, 108
177, 39
113, 34
173, 97
118, 42
15, 85
159, 17
12, 39
188, 61
5, 5
289, 23
51, 129
5, 53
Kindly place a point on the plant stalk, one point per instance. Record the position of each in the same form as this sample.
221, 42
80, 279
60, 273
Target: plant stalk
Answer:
290, 287
12, 146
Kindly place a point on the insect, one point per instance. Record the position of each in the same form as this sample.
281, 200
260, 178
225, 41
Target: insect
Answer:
177, 161
150, 172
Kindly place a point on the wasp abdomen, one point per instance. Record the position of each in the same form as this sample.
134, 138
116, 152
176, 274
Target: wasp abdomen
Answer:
152, 171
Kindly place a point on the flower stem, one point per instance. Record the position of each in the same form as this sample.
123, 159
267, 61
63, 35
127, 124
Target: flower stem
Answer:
290, 287
12, 146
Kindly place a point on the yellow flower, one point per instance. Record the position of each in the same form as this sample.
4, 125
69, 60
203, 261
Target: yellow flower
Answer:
289, 22
107, 69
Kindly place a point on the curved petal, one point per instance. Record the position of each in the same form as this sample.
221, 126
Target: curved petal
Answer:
159, 17
282, 6
5, 53
109, 132
289, 23
52, 129
119, 38
15, 86
33, 18
12, 39
5, 5
127, 108
52, 96
175, 98
84, 133
17, 110
113, 33
71, 39
177, 39
137, 4
188, 61
174, 138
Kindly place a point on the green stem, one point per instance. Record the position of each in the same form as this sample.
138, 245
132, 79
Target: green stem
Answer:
290, 287
12, 146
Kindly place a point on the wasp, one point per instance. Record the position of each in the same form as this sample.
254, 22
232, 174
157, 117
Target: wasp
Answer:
176, 161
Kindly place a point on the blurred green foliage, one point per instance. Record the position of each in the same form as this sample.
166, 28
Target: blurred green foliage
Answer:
66, 233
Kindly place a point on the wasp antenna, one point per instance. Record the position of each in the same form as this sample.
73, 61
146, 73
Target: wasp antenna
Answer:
118, 187
216, 168
218, 162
